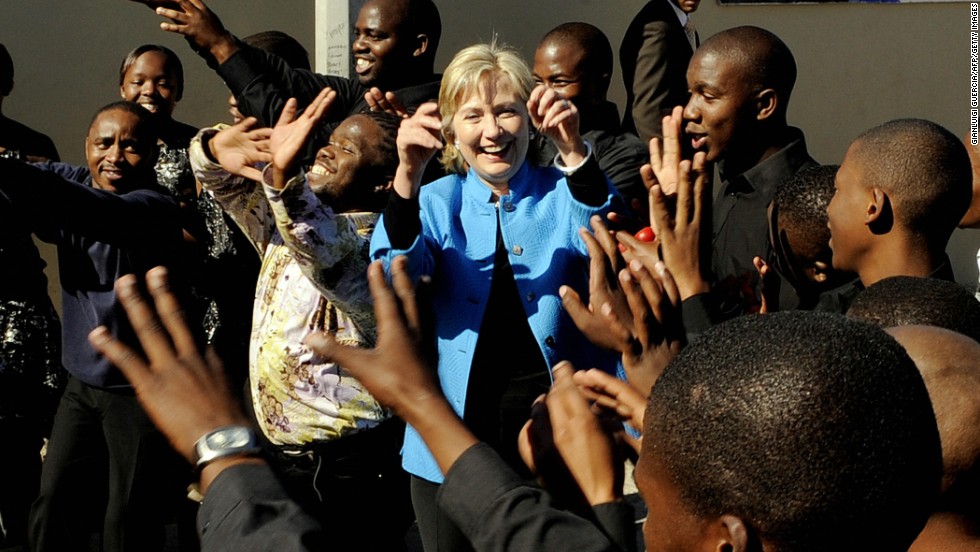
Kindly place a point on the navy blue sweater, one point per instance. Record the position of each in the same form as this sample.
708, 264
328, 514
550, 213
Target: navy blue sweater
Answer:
100, 236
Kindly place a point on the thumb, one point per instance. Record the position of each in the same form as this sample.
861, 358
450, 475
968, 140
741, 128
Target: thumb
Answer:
326, 345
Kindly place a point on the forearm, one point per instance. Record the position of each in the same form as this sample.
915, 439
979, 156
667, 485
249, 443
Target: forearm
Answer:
243, 200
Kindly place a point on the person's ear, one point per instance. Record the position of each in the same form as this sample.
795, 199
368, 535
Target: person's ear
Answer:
421, 45
879, 216
730, 534
122, 92
877, 201
766, 104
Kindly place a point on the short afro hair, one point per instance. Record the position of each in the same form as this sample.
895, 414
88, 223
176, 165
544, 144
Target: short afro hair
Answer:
815, 430
924, 169
913, 301
801, 202
282, 45
147, 127
597, 56
763, 60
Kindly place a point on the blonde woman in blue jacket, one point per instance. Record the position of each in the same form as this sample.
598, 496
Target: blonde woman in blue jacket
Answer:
498, 237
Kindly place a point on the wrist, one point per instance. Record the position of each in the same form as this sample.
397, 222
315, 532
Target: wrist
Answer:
574, 152
407, 181
210, 472
223, 47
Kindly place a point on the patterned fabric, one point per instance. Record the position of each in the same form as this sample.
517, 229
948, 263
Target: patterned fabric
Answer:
312, 279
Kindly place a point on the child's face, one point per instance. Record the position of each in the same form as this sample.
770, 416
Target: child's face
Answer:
847, 212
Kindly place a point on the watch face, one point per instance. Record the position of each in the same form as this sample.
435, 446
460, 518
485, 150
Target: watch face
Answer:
233, 437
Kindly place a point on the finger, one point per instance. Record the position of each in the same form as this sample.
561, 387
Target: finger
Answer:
684, 194
646, 252
606, 240
656, 156
170, 312
373, 98
395, 105
619, 330
321, 103
651, 289
639, 308
147, 327
576, 309
253, 174
597, 260
702, 179
648, 177
288, 113
353, 359
663, 225
667, 282
120, 355
405, 290
562, 374
171, 14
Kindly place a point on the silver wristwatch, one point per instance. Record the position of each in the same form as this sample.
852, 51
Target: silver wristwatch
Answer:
225, 441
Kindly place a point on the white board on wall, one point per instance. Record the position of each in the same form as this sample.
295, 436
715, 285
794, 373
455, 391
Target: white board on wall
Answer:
334, 26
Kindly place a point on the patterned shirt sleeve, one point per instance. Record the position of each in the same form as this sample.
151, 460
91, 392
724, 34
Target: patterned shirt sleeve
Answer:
331, 249
242, 199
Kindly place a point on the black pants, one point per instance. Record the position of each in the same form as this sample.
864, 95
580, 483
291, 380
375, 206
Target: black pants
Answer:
354, 486
439, 533
105, 461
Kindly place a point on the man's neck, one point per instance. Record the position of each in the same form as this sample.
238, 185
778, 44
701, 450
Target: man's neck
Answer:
745, 158
900, 256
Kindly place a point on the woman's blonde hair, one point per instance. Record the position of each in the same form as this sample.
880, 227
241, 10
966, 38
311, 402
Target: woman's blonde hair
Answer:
477, 66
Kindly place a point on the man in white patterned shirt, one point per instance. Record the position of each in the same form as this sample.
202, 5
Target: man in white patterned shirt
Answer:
334, 445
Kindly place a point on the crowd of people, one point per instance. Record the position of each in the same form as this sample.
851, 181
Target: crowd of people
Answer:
470, 300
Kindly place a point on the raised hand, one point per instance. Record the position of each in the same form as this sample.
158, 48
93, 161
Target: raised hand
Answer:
183, 392
558, 119
679, 234
291, 133
199, 25
240, 147
612, 394
586, 449
665, 156
385, 101
658, 334
606, 321
419, 138
394, 372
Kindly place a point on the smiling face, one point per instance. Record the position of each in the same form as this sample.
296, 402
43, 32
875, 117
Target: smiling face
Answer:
687, 6
120, 153
845, 214
721, 109
491, 129
381, 53
345, 171
152, 83
561, 69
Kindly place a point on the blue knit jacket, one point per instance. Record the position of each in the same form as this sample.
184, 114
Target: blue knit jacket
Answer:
539, 221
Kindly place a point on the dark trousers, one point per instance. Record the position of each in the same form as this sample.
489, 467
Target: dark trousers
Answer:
439, 533
354, 486
19, 477
106, 461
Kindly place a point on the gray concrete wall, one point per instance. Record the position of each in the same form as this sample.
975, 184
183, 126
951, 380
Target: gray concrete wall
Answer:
859, 64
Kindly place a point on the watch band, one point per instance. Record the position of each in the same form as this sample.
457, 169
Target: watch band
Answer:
225, 441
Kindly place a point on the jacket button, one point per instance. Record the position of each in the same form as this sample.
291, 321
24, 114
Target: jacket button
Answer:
509, 207
530, 296
517, 250
549, 341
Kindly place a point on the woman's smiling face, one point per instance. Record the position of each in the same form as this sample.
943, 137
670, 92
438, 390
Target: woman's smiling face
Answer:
491, 130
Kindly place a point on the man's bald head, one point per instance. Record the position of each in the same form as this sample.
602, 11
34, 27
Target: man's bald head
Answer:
759, 58
925, 171
948, 362
576, 60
